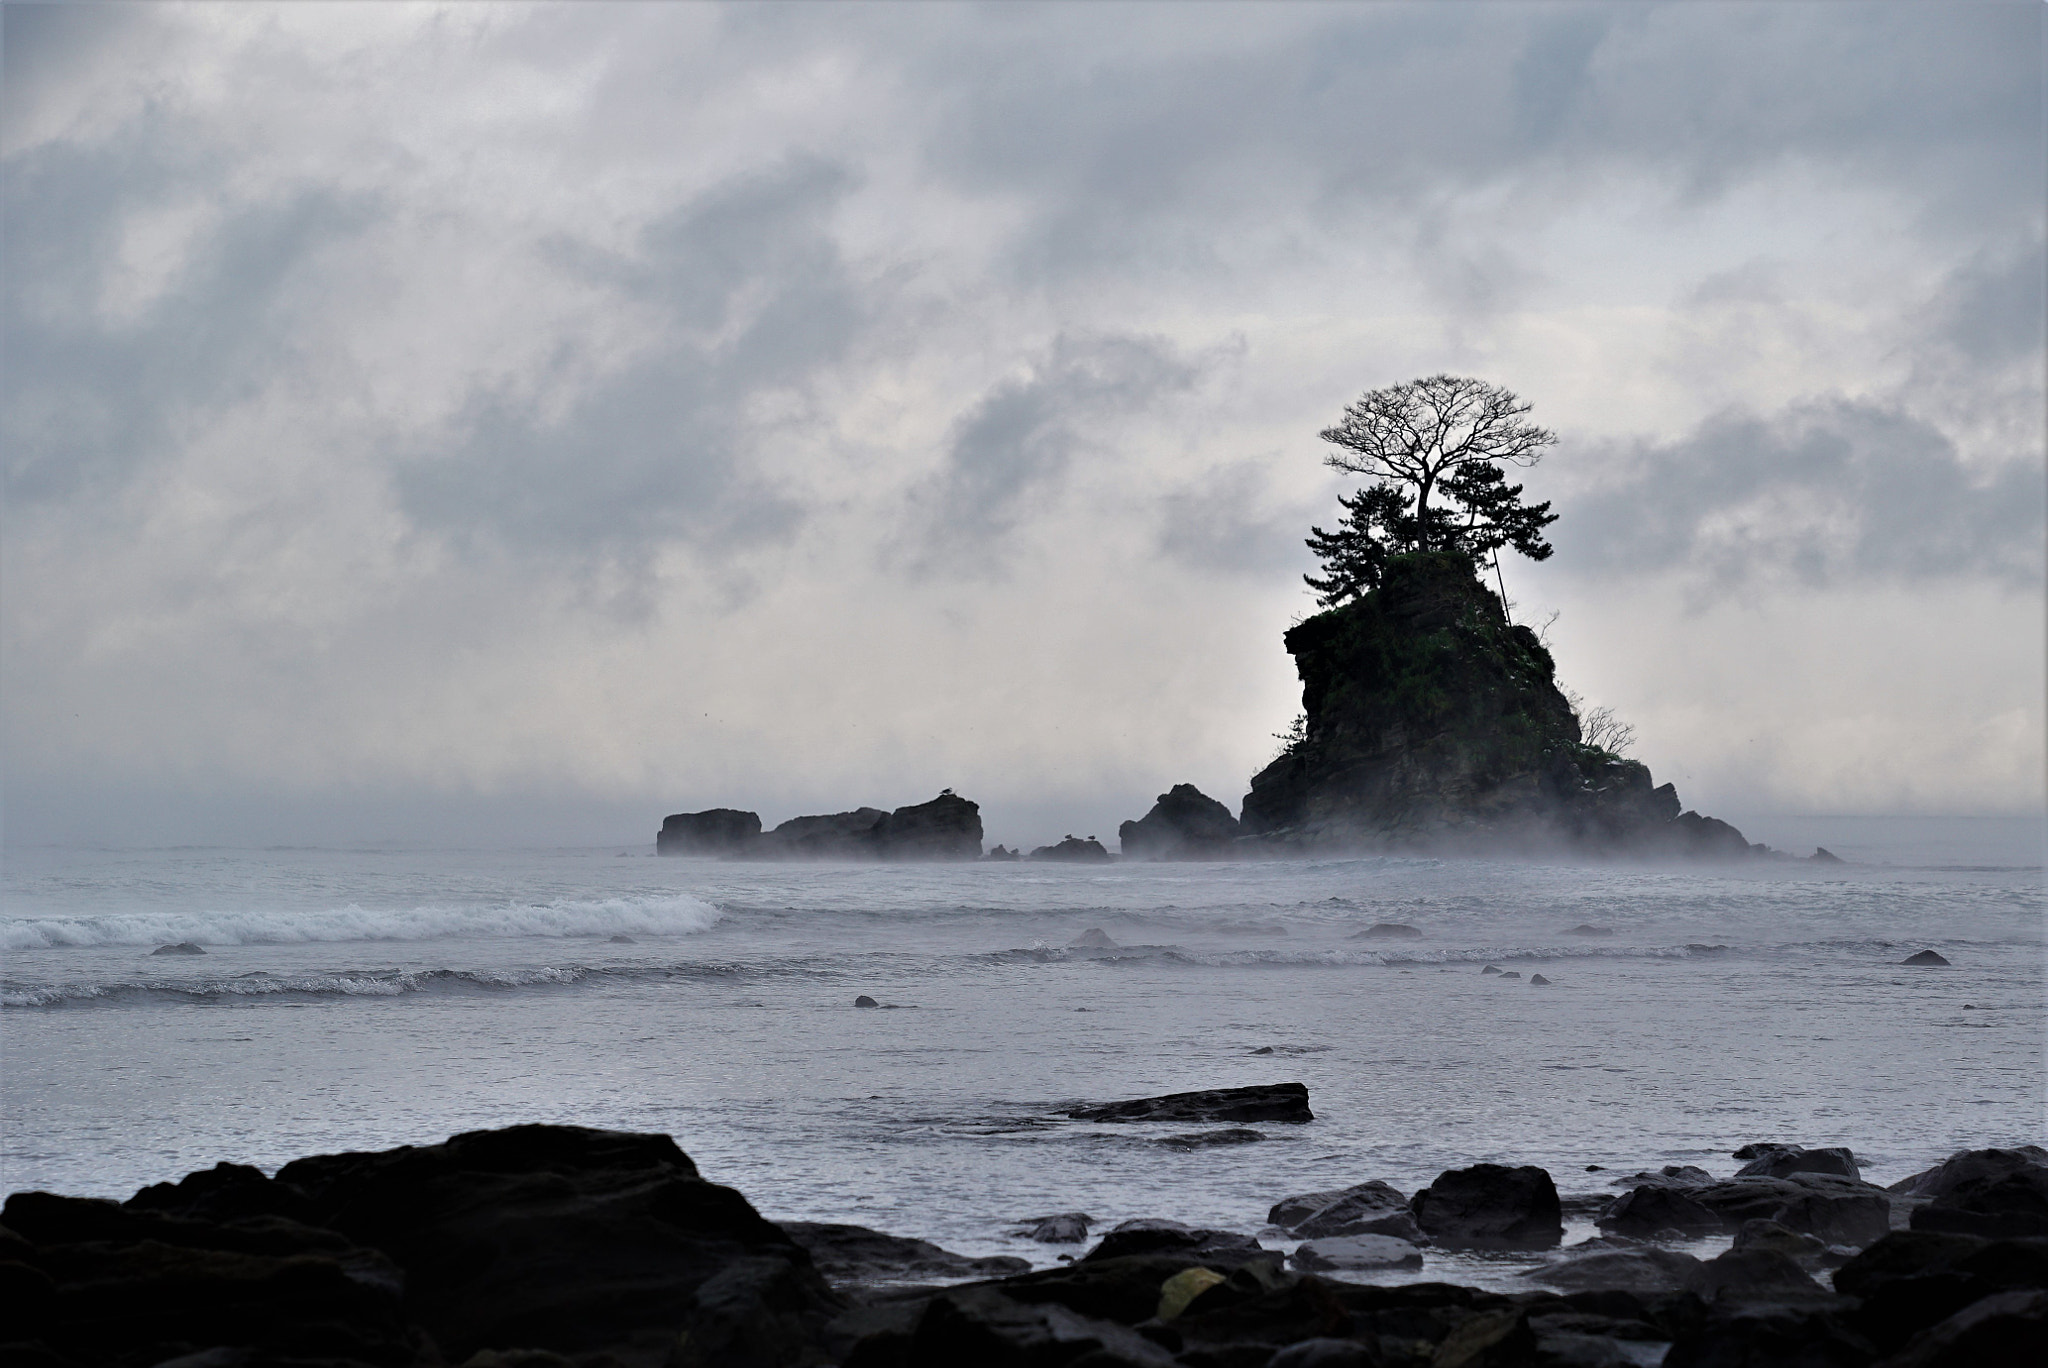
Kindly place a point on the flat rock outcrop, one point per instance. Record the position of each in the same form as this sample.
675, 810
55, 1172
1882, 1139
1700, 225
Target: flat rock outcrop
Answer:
1073, 850
1265, 1102
1432, 722
1184, 824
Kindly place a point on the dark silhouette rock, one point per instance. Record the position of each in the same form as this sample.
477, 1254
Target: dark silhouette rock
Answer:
865, 1001
1751, 1272
851, 1253
1264, 1102
1074, 850
1510, 974
620, 940
1490, 969
946, 828
1491, 1206
1926, 958
1001, 854
2006, 1327
1795, 1245
181, 948
1184, 824
1964, 1165
1643, 1211
1356, 1252
1432, 722
536, 1238
1782, 1161
1838, 1210
851, 835
1912, 1280
1538, 981
983, 1325
1822, 855
2005, 1205
1387, 931
715, 831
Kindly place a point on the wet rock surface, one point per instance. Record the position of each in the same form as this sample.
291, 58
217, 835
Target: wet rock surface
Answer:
1287, 1102
1491, 1206
557, 1247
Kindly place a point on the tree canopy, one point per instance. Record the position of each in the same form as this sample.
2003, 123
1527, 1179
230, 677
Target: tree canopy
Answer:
1445, 438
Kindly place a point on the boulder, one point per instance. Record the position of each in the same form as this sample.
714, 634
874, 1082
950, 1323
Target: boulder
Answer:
1538, 981
2006, 1327
1751, 1272
1184, 824
715, 831
1221, 1248
1068, 1227
1265, 1102
1643, 1271
1964, 1165
1671, 1175
1782, 1161
851, 1253
1073, 850
1839, 1210
1764, 1333
1491, 1206
2007, 1205
1643, 1211
1927, 959
181, 948
1793, 1244
983, 1325
865, 1001
1356, 1252
1370, 1208
1912, 1279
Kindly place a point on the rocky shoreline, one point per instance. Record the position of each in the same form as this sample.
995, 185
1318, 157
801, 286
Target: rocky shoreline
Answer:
559, 1246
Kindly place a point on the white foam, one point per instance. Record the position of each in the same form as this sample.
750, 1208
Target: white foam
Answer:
673, 914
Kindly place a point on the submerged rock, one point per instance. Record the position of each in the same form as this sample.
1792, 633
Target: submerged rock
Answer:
1626, 1270
1265, 1102
181, 948
1184, 824
1839, 1210
1094, 938
1211, 1139
1927, 958
1387, 931
1653, 1207
1068, 1227
865, 1001
1491, 1206
1154, 1237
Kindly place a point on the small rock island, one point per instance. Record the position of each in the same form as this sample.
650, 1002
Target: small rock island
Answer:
1431, 722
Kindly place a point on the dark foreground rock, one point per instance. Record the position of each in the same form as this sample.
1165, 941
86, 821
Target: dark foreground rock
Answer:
1782, 1161
1491, 1206
1184, 824
556, 1247
1268, 1102
1369, 1208
856, 1254
1842, 1211
555, 1238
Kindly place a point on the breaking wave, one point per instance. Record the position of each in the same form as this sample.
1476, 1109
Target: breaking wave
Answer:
670, 914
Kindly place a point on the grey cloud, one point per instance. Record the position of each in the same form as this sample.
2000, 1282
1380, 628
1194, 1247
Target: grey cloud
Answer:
1225, 523
755, 297
88, 400
1017, 441
1995, 309
1824, 493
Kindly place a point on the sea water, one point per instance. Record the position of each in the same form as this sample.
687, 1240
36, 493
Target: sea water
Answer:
360, 999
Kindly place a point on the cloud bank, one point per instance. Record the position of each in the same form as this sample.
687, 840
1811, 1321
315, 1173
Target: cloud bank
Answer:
534, 419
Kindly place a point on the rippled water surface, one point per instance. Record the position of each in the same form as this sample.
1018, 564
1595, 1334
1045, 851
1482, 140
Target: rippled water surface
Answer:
361, 999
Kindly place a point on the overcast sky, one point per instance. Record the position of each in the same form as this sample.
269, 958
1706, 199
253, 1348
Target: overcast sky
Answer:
427, 422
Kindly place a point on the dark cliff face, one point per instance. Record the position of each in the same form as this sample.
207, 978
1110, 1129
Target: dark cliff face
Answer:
1434, 722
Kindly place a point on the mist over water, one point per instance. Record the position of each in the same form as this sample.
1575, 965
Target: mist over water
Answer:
361, 999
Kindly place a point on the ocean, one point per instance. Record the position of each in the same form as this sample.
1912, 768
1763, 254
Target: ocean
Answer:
360, 999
